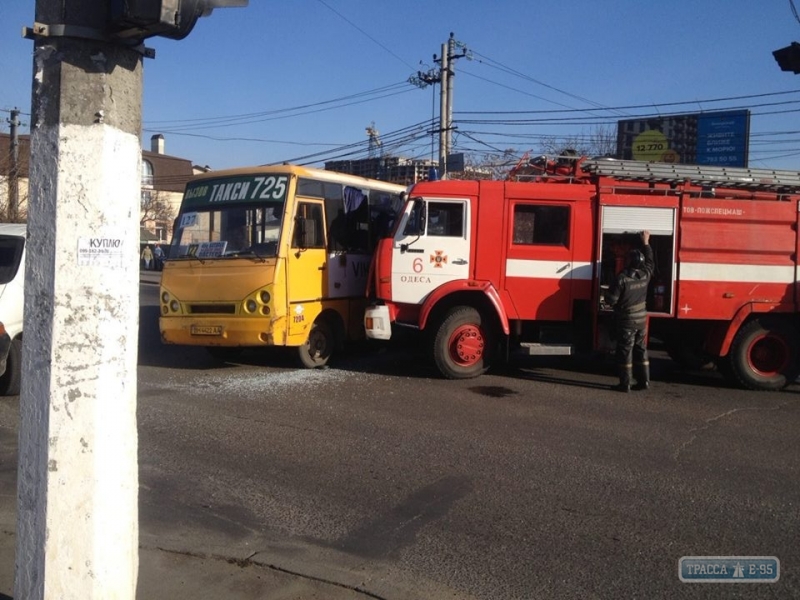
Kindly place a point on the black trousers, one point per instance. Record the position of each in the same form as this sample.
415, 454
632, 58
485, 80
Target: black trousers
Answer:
631, 353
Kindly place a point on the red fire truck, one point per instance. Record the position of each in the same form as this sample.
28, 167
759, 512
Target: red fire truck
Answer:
490, 267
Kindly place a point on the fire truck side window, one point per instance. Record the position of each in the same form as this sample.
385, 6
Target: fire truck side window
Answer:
446, 219
541, 224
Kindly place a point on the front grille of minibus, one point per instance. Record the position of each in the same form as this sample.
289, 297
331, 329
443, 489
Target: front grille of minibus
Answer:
212, 309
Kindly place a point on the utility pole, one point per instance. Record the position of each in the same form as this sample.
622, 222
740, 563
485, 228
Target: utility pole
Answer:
77, 511
13, 173
448, 75
444, 95
422, 80
445, 77
451, 60
77, 481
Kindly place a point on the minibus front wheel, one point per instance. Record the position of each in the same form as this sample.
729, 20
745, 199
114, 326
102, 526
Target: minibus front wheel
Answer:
318, 347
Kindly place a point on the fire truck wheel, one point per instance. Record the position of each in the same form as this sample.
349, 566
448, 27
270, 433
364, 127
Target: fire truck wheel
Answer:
764, 355
462, 345
319, 346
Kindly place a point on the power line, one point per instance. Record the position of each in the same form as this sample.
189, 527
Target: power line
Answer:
550, 118
392, 139
595, 120
341, 16
794, 11
202, 120
508, 87
497, 65
476, 140
628, 107
278, 118
277, 114
217, 138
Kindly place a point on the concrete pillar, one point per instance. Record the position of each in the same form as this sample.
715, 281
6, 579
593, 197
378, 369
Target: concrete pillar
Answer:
451, 65
77, 526
443, 103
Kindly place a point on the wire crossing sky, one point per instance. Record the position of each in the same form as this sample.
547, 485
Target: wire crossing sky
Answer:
302, 80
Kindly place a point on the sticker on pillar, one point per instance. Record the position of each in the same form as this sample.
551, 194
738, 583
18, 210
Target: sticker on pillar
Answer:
101, 252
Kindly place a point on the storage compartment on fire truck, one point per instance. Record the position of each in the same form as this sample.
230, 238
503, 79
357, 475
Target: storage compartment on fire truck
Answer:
619, 235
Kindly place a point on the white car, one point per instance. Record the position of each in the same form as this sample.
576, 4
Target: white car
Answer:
12, 300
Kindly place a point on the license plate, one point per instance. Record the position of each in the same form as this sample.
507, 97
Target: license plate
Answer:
206, 330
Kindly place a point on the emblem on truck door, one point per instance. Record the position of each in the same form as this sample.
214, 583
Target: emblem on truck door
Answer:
439, 258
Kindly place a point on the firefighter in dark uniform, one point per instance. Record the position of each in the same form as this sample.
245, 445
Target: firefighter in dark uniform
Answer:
628, 295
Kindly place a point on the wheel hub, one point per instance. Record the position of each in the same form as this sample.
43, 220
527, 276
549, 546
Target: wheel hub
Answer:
467, 345
316, 345
768, 355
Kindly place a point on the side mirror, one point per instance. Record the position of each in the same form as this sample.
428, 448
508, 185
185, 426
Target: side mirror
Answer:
416, 224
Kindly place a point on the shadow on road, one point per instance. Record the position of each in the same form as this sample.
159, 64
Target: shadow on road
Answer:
662, 368
153, 353
406, 356
399, 357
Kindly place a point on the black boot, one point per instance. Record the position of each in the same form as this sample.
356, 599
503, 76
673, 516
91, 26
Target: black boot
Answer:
643, 378
624, 384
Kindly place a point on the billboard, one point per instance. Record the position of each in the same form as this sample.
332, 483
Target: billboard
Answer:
719, 138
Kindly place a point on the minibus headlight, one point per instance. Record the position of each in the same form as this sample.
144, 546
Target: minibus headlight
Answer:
165, 297
265, 297
251, 306
174, 306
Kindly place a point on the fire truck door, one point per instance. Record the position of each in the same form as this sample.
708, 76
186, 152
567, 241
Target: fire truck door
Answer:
540, 265
431, 249
619, 233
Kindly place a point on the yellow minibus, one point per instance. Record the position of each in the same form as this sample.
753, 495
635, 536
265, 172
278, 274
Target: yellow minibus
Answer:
273, 256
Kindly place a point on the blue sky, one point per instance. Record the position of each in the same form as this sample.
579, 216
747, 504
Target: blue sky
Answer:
301, 80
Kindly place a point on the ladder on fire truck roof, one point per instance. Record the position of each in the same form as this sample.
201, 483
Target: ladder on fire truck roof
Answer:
729, 177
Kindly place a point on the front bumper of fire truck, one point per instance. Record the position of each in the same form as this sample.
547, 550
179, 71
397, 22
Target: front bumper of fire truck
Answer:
377, 322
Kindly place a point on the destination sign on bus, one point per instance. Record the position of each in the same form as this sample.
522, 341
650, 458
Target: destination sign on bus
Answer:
243, 188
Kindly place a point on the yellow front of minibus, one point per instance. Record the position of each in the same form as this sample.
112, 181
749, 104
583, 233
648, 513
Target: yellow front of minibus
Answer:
223, 286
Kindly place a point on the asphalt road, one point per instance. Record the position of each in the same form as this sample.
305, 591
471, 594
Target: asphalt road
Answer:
533, 482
